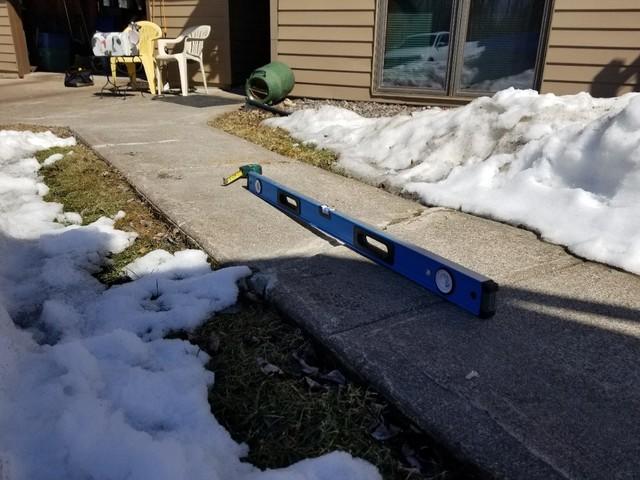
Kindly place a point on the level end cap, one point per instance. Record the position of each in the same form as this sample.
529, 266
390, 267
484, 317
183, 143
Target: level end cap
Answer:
488, 299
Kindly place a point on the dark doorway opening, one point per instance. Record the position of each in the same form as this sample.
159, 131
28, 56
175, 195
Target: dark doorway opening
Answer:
249, 37
58, 32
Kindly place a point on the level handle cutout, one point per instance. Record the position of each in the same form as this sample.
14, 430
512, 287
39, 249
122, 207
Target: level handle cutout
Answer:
288, 201
379, 247
469, 290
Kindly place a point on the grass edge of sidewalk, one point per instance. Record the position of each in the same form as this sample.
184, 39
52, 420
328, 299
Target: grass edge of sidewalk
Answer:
363, 404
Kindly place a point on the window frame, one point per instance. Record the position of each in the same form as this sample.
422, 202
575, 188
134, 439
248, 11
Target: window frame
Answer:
459, 23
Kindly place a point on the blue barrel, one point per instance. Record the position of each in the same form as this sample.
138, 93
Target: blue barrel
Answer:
54, 51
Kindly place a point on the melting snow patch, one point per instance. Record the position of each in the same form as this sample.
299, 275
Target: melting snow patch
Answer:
566, 166
94, 390
51, 159
72, 218
161, 263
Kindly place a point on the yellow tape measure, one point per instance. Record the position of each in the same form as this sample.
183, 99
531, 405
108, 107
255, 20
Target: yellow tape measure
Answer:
242, 172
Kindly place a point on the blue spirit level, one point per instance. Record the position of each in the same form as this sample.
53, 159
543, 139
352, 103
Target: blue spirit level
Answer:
467, 289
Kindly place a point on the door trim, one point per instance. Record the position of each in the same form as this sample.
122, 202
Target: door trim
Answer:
19, 40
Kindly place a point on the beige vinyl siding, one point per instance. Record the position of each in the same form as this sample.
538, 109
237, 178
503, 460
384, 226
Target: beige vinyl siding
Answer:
594, 46
179, 14
328, 44
8, 60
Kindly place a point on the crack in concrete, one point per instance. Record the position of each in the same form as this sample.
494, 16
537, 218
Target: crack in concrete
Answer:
436, 302
414, 215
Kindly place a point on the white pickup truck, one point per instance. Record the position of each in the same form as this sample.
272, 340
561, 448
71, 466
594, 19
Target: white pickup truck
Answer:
431, 47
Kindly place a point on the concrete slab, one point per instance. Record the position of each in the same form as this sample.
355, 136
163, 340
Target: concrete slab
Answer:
364, 202
166, 149
502, 252
338, 290
231, 223
556, 372
450, 418
234, 225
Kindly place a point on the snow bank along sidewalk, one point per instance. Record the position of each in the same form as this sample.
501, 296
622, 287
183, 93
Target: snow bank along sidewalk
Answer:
565, 166
89, 388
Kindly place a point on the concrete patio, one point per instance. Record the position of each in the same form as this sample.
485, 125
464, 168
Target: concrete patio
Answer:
548, 388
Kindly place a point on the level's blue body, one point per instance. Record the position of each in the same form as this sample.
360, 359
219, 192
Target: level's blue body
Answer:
455, 283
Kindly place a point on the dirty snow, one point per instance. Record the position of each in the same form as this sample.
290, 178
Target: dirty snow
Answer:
565, 166
51, 159
89, 388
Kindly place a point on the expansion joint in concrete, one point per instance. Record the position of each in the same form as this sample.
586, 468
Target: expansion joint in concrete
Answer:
384, 318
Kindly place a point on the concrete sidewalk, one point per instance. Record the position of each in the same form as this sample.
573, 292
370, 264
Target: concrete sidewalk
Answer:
556, 388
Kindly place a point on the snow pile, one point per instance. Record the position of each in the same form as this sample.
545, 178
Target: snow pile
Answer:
20, 145
566, 166
164, 264
94, 390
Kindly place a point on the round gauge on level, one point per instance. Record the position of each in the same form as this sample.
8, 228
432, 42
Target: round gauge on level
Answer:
444, 281
258, 186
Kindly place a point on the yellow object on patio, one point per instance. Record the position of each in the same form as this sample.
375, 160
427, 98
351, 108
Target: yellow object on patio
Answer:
149, 32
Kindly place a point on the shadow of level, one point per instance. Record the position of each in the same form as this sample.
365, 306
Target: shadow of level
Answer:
548, 388
197, 100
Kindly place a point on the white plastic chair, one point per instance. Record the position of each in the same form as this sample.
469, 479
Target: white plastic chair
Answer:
193, 39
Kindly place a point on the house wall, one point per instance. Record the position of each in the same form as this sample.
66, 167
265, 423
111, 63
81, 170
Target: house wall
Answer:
328, 44
8, 59
179, 14
594, 46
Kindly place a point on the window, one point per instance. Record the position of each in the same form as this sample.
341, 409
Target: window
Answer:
458, 47
415, 53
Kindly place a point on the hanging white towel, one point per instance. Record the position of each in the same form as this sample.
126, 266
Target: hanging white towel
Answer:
111, 44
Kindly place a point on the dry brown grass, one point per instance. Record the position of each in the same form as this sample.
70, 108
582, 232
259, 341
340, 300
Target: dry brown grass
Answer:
245, 123
285, 418
82, 182
23, 127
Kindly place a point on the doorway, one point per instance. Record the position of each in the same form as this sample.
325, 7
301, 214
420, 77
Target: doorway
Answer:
59, 32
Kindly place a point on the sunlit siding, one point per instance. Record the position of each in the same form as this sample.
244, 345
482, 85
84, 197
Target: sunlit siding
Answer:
179, 14
8, 59
594, 46
328, 44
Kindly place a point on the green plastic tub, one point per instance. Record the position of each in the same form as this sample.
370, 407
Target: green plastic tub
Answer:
270, 84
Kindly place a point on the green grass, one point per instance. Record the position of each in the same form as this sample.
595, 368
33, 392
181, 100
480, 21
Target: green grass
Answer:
84, 183
281, 417
246, 124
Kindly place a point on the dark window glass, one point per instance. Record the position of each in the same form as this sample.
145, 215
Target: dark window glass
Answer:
417, 44
501, 44
443, 41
